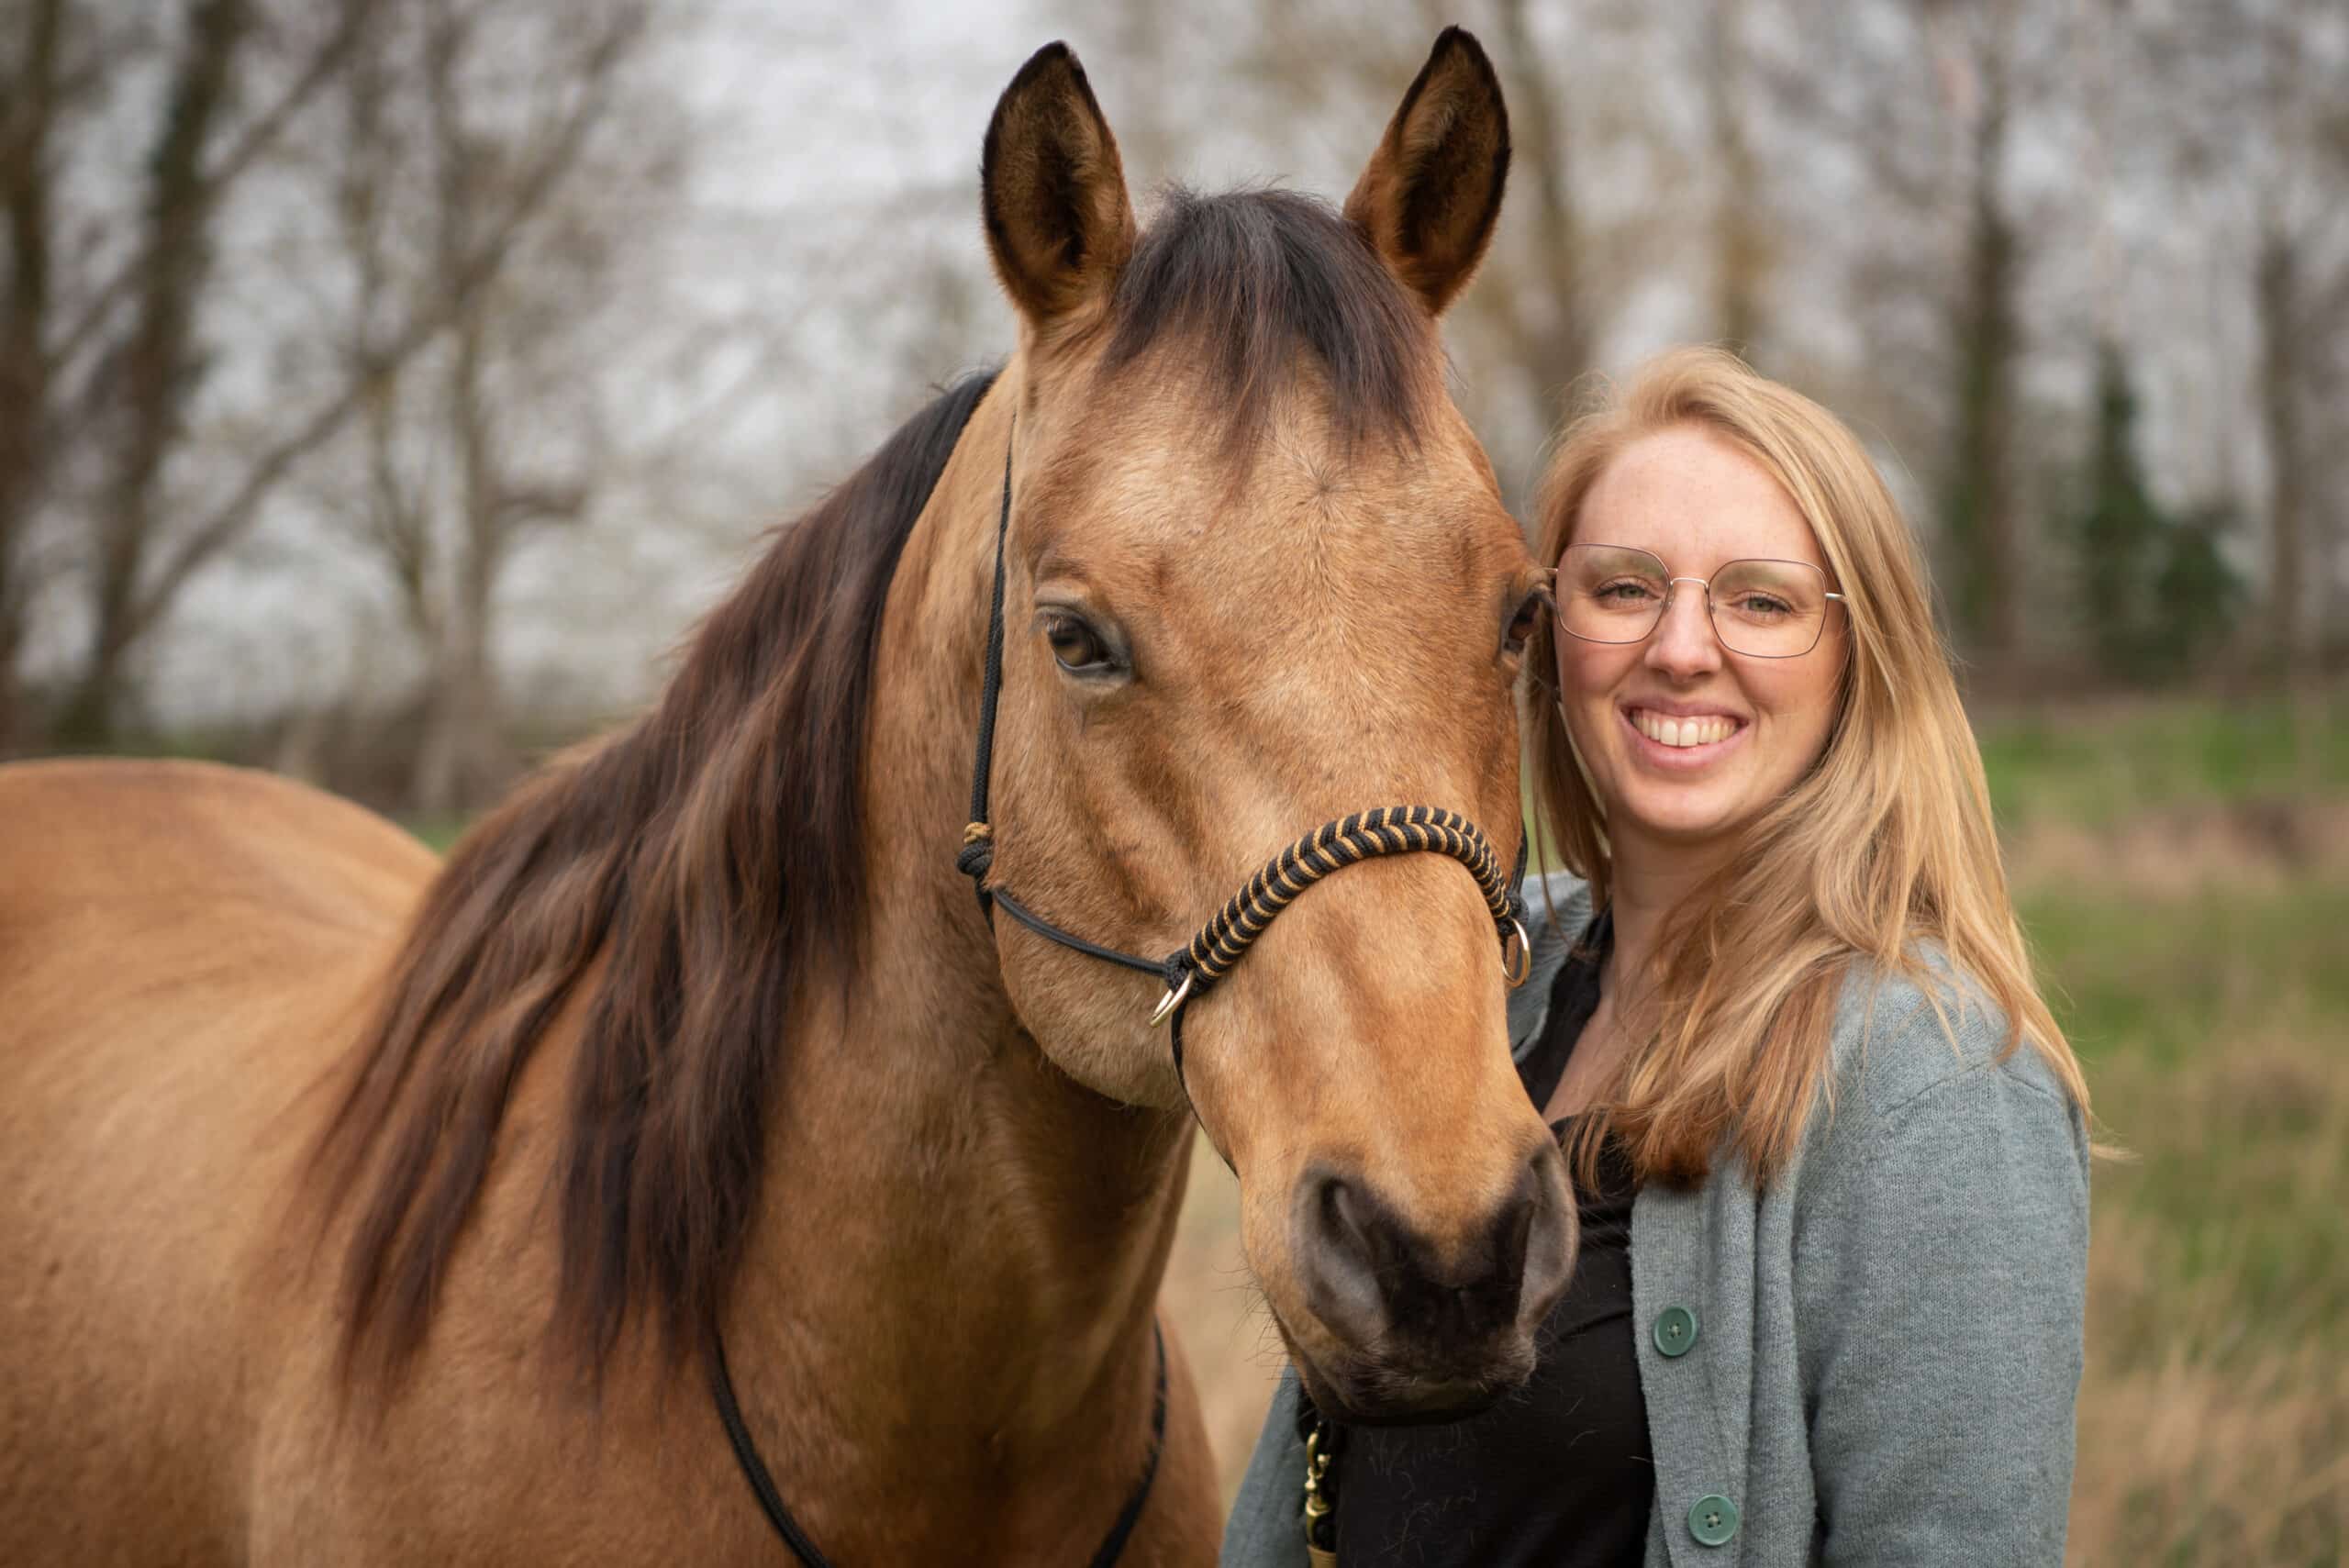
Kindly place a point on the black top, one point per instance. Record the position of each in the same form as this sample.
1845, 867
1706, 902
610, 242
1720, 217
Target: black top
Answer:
1560, 1474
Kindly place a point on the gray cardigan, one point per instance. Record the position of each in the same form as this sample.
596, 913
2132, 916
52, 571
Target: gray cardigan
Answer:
1886, 1342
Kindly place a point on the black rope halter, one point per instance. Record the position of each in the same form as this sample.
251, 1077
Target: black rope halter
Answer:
1189, 971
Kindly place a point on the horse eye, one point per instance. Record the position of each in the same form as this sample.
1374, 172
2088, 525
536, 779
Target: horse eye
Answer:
1522, 624
1076, 645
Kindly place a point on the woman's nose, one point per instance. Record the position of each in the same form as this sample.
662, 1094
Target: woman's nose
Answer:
1683, 644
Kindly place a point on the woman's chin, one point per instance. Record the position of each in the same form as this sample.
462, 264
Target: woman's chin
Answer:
1682, 817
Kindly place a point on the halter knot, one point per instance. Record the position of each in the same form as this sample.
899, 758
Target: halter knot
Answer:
976, 857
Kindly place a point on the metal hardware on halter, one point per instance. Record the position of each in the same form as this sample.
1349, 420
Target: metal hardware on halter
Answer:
1172, 1000
1320, 1550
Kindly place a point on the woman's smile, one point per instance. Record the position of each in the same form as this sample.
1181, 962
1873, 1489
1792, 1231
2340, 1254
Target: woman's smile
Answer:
1675, 737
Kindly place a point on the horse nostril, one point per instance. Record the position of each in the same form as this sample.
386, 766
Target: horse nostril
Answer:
1548, 1231
1513, 1224
1377, 1280
1349, 1241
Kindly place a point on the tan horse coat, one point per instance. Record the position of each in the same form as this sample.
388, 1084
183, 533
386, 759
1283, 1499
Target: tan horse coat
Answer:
940, 1311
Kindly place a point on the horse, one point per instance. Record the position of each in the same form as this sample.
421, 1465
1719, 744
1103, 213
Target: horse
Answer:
694, 1126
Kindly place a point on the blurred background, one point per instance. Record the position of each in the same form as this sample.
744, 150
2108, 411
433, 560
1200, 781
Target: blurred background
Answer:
386, 384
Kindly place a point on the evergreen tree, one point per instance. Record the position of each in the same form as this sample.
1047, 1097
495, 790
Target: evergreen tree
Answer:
2154, 591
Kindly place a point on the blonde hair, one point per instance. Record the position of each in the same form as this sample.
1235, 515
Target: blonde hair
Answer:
1886, 843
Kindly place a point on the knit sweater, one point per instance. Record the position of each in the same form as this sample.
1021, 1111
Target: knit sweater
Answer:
1873, 1359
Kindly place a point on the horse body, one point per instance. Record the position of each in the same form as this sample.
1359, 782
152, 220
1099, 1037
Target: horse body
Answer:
361, 1212
173, 1392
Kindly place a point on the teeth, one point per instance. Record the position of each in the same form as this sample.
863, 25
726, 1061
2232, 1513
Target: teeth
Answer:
1682, 732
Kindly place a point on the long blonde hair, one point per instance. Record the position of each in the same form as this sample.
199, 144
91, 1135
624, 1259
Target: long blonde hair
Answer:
1886, 843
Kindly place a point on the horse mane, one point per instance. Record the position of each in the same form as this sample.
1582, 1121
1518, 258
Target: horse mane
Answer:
675, 883
683, 873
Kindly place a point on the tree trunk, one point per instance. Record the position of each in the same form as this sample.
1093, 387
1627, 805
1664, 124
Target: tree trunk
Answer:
460, 756
15, 731
28, 111
1741, 253
457, 758
2280, 376
1986, 338
159, 367
1559, 338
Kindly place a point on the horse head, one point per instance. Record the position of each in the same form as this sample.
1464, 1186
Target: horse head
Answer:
1257, 576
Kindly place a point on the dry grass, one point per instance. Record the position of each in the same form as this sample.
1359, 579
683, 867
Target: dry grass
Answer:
1212, 1301
2264, 845
2214, 1415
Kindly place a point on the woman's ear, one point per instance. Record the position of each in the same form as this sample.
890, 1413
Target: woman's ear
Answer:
1432, 192
1052, 192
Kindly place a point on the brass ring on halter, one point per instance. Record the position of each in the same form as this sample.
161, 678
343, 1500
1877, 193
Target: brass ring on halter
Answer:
1172, 1000
1517, 954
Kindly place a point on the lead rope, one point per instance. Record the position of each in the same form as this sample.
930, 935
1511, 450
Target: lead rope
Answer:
975, 859
754, 1469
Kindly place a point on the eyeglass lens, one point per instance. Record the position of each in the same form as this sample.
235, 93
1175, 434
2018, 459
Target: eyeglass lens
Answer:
1767, 609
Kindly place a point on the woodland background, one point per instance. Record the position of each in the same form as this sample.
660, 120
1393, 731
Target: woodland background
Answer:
385, 386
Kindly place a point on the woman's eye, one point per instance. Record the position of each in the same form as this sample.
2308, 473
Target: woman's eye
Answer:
1076, 645
1626, 591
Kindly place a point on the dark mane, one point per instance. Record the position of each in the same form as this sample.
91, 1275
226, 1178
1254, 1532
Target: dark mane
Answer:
674, 885
1254, 275
708, 856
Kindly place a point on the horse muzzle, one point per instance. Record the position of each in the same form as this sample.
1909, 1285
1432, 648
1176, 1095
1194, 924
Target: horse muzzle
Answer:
1409, 1327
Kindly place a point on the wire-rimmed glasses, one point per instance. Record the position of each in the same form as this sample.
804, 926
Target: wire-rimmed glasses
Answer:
1763, 609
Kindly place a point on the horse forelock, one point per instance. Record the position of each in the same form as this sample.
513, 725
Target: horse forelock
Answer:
670, 887
1258, 284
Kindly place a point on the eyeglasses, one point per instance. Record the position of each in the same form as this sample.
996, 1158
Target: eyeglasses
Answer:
1763, 609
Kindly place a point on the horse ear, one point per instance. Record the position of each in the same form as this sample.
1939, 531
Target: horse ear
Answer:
1054, 192
1432, 192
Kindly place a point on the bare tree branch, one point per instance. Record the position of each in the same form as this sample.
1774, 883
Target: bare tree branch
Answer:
222, 525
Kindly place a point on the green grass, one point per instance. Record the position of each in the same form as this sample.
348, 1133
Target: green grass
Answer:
2097, 768
2215, 1033
2214, 1027
2171, 979
439, 833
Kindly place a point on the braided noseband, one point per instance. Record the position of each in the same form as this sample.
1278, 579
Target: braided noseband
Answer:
1385, 830
1190, 971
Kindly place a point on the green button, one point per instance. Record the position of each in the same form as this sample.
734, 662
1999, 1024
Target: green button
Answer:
1712, 1521
1675, 1330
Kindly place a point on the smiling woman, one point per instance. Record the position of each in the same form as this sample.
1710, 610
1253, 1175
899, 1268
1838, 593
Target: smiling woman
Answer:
1684, 735
1829, 1147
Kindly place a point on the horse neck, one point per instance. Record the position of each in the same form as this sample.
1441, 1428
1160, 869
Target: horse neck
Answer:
952, 1224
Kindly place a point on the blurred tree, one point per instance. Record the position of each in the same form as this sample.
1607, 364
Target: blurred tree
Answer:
118, 371
2265, 132
33, 94
1986, 347
2152, 588
107, 426
1928, 102
508, 229
1745, 253
156, 367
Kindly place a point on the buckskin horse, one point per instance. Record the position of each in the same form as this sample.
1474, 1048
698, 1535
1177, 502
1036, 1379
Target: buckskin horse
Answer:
692, 1140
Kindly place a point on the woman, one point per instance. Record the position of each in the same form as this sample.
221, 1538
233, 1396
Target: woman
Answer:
1830, 1146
